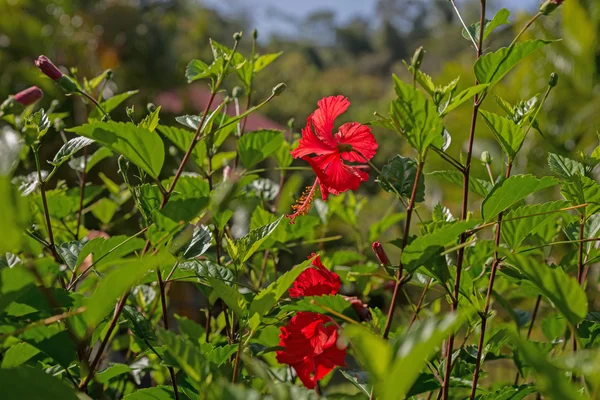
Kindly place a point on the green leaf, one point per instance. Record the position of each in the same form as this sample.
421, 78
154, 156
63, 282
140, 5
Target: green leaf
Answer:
255, 146
151, 120
581, 189
112, 103
197, 69
230, 295
36, 125
142, 147
138, 324
264, 60
564, 166
268, 297
186, 354
70, 148
477, 186
501, 18
424, 248
191, 242
467, 94
53, 341
554, 284
154, 393
13, 218
69, 252
110, 249
417, 117
509, 393
512, 190
33, 384
492, 67
183, 139
379, 227
126, 274
205, 269
247, 245
400, 172
507, 133
522, 222
104, 209
18, 354
111, 372
549, 380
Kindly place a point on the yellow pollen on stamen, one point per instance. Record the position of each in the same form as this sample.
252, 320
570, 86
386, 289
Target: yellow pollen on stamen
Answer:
303, 204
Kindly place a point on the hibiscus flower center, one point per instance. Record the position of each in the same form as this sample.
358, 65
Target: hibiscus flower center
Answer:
344, 147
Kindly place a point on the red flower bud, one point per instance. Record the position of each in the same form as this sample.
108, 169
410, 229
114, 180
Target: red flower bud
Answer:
29, 96
380, 253
48, 68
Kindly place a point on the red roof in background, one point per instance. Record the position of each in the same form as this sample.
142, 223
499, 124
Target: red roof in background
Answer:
197, 96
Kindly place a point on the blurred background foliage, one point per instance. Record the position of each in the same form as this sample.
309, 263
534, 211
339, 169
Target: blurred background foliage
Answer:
147, 43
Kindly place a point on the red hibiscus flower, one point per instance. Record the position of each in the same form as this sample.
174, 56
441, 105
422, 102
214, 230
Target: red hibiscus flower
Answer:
316, 281
309, 342
327, 152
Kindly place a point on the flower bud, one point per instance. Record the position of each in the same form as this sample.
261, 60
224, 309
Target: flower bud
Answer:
29, 96
59, 124
277, 90
417, 58
237, 36
381, 255
109, 74
290, 123
486, 158
553, 79
48, 68
254, 34
151, 107
548, 6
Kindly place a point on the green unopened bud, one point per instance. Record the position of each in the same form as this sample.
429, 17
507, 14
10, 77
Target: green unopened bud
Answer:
130, 110
277, 90
59, 124
254, 34
151, 107
290, 123
548, 6
10, 106
553, 79
237, 36
417, 58
486, 158
109, 74
68, 84
236, 92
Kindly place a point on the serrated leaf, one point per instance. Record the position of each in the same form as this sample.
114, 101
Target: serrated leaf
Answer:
400, 172
183, 139
142, 147
70, 148
268, 297
14, 216
509, 393
417, 117
197, 69
206, 268
154, 393
424, 248
324, 305
255, 146
111, 372
230, 295
138, 324
512, 190
500, 18
477, 186
507, 133
36, 125
69, 252
247, 245
563, 291
523, 221
465, 95
191, 242
564, 166
264, 60
109, 249
112, 103
579, 190
151, 120
492, 67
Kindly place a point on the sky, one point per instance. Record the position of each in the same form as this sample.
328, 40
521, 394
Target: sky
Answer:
277, 16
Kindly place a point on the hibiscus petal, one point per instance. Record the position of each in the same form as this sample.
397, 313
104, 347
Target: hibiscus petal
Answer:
310, 143
339, 177
306, 371
329, 109
360, 138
